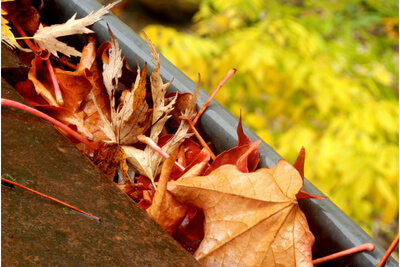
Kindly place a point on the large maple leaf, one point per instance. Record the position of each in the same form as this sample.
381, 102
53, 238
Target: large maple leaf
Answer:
251, 219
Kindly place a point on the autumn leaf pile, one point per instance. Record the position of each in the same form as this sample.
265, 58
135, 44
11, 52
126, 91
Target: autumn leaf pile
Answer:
222, 210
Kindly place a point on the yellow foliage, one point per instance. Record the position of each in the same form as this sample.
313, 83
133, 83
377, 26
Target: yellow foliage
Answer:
296, 89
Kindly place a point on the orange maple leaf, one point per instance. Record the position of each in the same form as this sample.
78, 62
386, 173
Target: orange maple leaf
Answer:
251, 219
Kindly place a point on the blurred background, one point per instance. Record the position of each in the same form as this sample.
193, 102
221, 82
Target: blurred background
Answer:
318, 74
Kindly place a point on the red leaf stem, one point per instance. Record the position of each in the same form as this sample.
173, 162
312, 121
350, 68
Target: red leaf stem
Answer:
21, 32
11, 103
63, 60
389, 251
57, 90
346, 252
51, 198
148, 141
221, 83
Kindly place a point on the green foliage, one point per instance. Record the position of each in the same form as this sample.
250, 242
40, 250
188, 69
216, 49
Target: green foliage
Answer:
320, 74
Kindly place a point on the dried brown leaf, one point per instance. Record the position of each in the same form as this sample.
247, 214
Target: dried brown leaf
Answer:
134, 116
251, 219
111, 158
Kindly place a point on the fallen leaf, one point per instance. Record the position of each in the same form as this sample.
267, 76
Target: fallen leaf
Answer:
253, 157
158, 90
251, 219
183, 102
190, 232
134, 116
148, 162
299, 166
245, 155
165, 209
112, 67
40, 77
47, 36
110, 158
78, 88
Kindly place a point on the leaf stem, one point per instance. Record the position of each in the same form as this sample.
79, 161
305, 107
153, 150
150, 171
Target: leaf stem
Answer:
11, 103
346, 252
57, 90
38, 51
388, 251
51, 198
198, 136
227, 76
26, 39
148, 141
65, 62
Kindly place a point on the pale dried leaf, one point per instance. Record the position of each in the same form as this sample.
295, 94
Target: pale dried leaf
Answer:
190, 111
138, 159
172, 144
112, 70
251, 219
158, 90
46, 36
196, 170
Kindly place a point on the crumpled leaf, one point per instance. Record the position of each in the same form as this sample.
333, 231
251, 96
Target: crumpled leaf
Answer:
112, 68
158, 90
47, 36
110, 158
245, 155
299, 166
148, 162
251, 219
134, 116
78, 88
41, 79
253, 157
165, 210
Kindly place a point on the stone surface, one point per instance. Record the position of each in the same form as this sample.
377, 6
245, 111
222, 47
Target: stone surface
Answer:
36, 231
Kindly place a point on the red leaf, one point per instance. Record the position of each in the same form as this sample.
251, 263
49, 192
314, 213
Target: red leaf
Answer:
299, 163
245, 155
253, 158
303, 194
236, 156
299, 166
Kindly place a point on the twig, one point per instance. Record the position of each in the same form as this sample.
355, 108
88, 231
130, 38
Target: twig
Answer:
11, 103
388, 251
221, 83
65, 62
57, 90
346, 252
148, 141
31, 45
51, 198
198, 136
